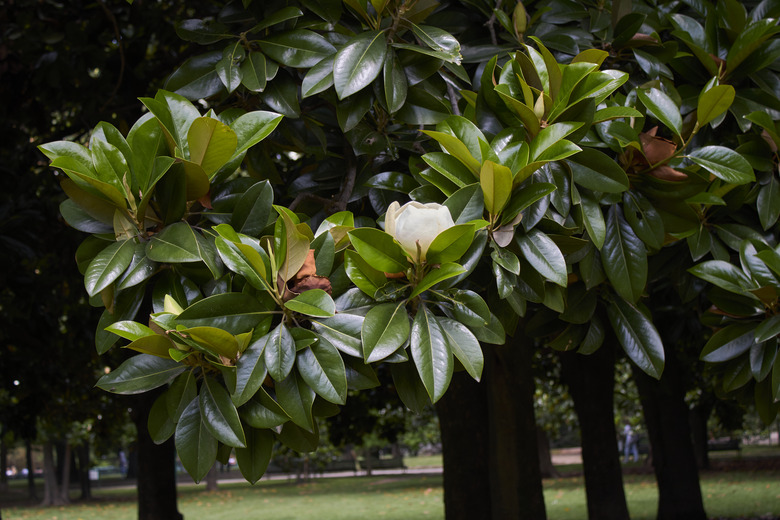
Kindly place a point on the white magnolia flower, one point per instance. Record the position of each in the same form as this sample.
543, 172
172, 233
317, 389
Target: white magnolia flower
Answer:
416, 223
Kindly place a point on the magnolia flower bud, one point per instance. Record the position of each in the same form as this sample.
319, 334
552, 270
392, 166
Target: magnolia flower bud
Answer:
416, 223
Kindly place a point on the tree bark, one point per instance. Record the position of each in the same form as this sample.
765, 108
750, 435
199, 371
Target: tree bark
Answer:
156, 467
515, 477
546, 466
211, 478
83, 460
698, 417
591, 381
3, 462
674, 462
64, 491
52, 494
463, 417
30, 470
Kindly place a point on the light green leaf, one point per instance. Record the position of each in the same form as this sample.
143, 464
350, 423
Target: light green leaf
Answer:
714, 102
662, 107
315, 302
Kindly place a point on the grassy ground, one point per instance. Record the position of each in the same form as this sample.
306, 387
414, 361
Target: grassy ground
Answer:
736, 492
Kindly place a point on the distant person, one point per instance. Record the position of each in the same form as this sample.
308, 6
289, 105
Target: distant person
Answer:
630, 443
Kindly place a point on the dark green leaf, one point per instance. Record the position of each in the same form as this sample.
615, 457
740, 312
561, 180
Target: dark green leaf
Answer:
220, 415
624, 257
321, 367
638, 336
359, 62
432, 356
385, 329
196, 447
279, 352
544, 256
254, 459
139, 374
724, 163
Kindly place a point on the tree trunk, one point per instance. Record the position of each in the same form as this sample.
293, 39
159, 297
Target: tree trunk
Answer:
52, 495
515, 476
83, 460
546, 466
674, 462
488, 429
698, 417
211, 478
463, 416
64, 491
591, 381
30, 470
156, 467
3, 462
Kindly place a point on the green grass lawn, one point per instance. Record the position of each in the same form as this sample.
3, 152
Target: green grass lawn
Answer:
404, 497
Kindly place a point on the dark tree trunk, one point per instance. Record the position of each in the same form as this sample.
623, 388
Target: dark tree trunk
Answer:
698, 416
591, 381
491, 462
83, 460
156, 467
674, 462
211, 479
30, 470
545, 454
515, 476
3, 461
463, 417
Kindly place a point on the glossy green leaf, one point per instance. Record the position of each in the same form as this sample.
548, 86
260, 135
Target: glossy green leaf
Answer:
379, 249
220, 415
714, 102
768, 203
296, 398
724, 163
464, 345
154, 345
212, 143
450, 244
250, 371
662, 107
263, 412
139, 374
729, 342
159, 422
343, 331
544, 256
279, 352
130, 330
624, 257
768, 329
108, 265
359, 62
254, 459
496, 183
180, 394
235, 313
431, 353
322, 368
174, 244
598, 172
314, 302
365, 277
722, 274
434, 276
395, 83
299, 439
319, 78
253, 72
253, 127
196, 447
638, 336
299, 48
385, 329
409, 386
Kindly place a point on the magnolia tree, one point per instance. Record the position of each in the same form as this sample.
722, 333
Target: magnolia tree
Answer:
263, 262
